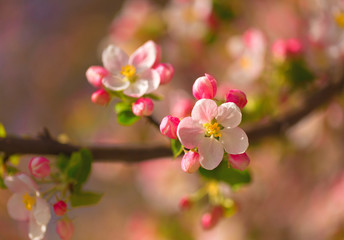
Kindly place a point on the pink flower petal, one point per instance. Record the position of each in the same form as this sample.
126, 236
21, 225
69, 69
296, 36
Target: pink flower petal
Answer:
16, 208
114, 59
153, 79
204, 110
137, 89
41, 212
228, 115
115, 83
211, 153
36, 230
234, 140
190, 132
20, 183
144, 57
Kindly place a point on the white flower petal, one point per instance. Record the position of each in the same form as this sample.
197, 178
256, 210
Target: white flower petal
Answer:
228, 115
36, 230
42, 212
16, 208
190, 132
234, 140
153, 79
20, 183
204, 110
211, 153
114, 59
144, 57
115, 83
137, 89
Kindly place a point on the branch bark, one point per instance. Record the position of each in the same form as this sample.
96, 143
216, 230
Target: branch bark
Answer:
130, 154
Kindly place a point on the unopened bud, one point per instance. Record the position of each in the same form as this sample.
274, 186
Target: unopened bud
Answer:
39, 167
60, 208
166, 72
294, 46
101, 97
169, 125
204, 87
239, 161
190, 162
209, 220
185, 203
65, 229
279, 49
143, 107
236, 96
95, 75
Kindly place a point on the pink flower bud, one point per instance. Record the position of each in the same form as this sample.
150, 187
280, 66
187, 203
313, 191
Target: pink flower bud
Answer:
204, 87
279, 49
166, 72
190, 162
238, 97
168, 126
294, 46
143, 107
182, 107
239, 161
60, 208
101, 97
39, 167
185, 203
209, 220
95, 75
65, 229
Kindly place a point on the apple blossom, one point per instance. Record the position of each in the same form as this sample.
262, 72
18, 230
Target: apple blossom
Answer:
169, 125
236, 96
26, 204
190, 162
95, 75
60, 208
239, 161
39, 167
209, 220
65, 229
204, 87
213, 129
133, 75
166, 72
143, 107
101, 97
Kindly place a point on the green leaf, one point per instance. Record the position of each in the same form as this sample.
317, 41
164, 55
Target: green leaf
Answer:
62, 162
298, 73
154, 96
231, 176
85, 199
11, 170
2, 183
2, 131
127, 118
176, 147
223, 10
121, 107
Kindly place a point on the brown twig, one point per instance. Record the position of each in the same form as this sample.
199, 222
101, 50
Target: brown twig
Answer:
255, 132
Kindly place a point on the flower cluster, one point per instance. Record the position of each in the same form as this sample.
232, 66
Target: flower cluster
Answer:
211, 133
131, 78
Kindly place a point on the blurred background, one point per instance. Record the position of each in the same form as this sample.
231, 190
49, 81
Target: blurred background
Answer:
297, 191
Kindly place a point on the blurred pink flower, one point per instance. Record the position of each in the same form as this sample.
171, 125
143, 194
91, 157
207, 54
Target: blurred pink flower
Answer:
100, 97
60, 208
65, 229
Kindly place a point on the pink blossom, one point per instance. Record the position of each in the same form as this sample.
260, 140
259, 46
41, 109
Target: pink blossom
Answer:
279, 49
101, 97
182, 107
239, 161
294, 46
143, 107
65, 229
209, 220
236, 96
26, 204
166, 72
60, 208
185, 203
39, 167
204, 87
213, 130
95, 75
133, 75
190, 162
169, 125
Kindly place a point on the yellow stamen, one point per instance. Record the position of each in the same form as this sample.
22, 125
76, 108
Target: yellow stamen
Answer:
213, 189
245, 63
212, 129
339, 18
128, 71
29, 201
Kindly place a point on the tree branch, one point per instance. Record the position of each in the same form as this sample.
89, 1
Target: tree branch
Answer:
255, 132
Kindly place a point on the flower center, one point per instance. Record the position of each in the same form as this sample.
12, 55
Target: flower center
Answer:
339, 18
129, 72
212, 129
29, 201
245, 63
